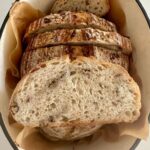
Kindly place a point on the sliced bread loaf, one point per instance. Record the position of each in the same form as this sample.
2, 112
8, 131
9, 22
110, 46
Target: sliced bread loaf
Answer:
68, 20
87, 36
98, 7
71, 100
33, 57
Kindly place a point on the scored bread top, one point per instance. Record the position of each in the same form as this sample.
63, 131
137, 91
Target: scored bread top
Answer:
98, 7
87, 36
68, 20
61, 94
33, 57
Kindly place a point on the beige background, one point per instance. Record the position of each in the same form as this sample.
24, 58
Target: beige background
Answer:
4, 7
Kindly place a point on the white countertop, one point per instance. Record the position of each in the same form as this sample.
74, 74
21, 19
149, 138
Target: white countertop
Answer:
4, 7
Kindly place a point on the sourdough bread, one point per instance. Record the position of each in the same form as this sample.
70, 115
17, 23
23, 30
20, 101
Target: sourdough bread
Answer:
87, 36
68, 20
33, 57
72, 100
97, 7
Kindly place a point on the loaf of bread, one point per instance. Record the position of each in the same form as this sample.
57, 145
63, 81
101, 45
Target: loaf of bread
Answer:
69, 20
98, 7
33, 57
71, 100
87, 36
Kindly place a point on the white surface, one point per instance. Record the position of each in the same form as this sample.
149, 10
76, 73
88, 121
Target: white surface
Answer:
4, 7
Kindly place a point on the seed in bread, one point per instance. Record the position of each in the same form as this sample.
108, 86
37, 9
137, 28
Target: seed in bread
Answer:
75, 97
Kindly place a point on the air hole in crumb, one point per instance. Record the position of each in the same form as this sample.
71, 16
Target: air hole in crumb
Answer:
79, 105
15, 108
36, 85
130, 80
117, 91
37, 114
99, 91
117, 75
28, 100
72, 73
128, 113
100, 85
85, 82
80, 91
114, 103
95, 70
135, 113
101, 110
91, 91
46, 20
55, 63
53, 105
96, 105
74, 90
74, 80
27, 119
85, 107
104, 65
56, 100
79, 64
86, 112
118, 101
64, 118
92, 120
73, 101
101, 98
51, 118
32, 111
100, 67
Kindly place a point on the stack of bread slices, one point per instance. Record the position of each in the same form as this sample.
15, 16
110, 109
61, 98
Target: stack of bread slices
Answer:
74, 76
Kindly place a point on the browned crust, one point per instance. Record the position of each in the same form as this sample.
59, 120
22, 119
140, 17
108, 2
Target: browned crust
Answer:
69, 20
86, 36
33, 57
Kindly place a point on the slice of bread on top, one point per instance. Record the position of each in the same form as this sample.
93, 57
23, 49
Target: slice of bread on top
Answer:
86, 36
33, 57
71, 100
97, 7
69, 20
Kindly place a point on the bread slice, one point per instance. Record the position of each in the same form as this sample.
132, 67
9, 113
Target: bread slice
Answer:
69, 20
33, 57
111, 56
71, 100
97, 7
85, 36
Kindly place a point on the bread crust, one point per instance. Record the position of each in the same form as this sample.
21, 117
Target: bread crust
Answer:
98, 7
69, 20
33, 57
86, 36
72, 130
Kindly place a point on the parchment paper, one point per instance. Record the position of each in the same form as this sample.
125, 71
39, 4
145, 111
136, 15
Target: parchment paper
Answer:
21, 15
